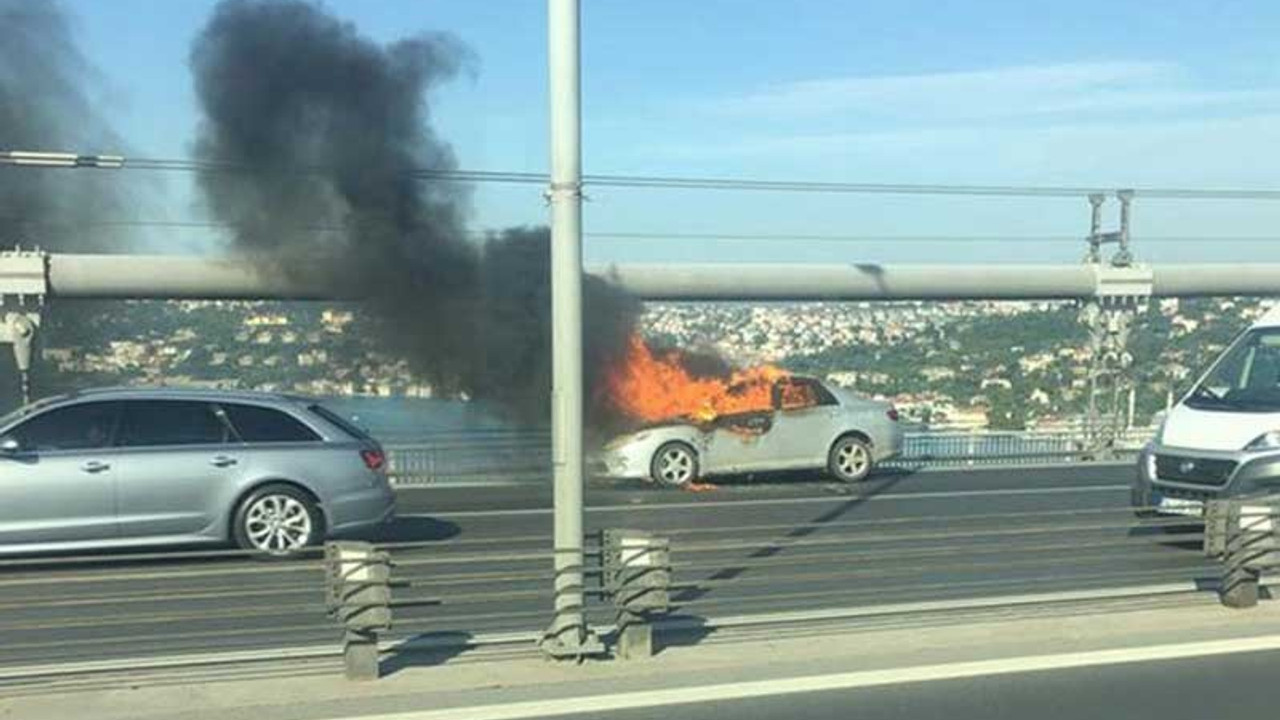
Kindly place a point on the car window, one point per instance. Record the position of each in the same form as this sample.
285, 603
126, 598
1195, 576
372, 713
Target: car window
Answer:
256, 424
802, 393
77, 427
149, 423
347, 426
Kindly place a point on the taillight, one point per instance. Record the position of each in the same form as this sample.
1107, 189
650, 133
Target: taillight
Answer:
373, 459
892, 414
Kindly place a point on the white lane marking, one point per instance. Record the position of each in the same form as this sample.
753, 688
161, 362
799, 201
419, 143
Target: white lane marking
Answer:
948, 494
837, 681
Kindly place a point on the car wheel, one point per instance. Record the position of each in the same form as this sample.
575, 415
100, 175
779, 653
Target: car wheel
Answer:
675, 465
277, 520
849, 459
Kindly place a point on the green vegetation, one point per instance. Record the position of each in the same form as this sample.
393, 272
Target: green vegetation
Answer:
1020, 367
1001, 362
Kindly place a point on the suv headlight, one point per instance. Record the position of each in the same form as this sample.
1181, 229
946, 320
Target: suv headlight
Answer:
1265, 441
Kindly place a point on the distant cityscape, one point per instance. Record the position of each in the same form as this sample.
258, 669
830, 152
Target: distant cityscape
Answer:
973, 364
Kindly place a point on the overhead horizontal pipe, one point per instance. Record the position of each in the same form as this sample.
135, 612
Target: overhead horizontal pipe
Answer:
176, 276
851, 281
173, 276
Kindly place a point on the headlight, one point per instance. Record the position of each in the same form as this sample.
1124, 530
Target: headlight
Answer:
625, 440
1265, 441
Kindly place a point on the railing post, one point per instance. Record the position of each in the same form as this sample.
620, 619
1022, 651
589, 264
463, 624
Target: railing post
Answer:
358, 584
637, 576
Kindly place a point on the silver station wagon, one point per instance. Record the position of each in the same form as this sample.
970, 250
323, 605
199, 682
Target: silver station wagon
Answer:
141, 467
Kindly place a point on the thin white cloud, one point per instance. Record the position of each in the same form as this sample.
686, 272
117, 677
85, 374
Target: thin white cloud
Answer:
980, 94
1223, 151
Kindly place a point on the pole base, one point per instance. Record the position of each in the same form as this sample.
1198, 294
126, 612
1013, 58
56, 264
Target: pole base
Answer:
1240, 590
571, 644
635, 640
360, 657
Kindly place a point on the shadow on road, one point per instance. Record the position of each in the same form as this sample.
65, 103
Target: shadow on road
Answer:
864, 492
416, 529
680, 631
426, 650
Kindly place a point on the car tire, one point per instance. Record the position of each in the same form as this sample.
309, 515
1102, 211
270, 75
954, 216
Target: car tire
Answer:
675, 464
278, 520
850, 459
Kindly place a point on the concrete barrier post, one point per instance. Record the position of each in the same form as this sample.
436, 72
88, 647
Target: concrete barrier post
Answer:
637, 569
1243, 531
358, 585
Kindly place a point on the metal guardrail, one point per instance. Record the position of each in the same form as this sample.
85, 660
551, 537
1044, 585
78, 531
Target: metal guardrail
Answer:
490, 458
498, 457
638, 580
61, 609
368, 598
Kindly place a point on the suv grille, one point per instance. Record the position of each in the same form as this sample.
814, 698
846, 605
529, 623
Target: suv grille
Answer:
1196, 471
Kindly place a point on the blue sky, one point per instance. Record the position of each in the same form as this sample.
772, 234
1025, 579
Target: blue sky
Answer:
1111, 93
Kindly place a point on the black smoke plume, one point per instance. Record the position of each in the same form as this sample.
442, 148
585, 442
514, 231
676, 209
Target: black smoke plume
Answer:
332, 129
49, 95
47, 103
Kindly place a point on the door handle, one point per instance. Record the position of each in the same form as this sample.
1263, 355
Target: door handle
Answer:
223, 461
95, 466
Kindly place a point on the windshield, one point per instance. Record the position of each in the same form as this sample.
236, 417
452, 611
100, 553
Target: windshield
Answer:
1246, 378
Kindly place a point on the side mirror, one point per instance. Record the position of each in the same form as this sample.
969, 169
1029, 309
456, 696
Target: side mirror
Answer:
9, 445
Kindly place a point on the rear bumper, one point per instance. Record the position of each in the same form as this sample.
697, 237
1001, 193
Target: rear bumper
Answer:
361, 510
890, 445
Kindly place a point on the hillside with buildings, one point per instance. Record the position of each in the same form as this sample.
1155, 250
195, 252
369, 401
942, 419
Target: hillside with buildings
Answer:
1000, 364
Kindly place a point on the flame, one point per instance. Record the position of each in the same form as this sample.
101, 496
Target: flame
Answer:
655, 387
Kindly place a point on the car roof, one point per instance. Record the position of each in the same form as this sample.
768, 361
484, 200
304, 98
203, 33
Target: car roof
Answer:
1270, 318
175, 393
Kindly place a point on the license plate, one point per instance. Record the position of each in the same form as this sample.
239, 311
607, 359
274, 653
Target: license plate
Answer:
1181, 506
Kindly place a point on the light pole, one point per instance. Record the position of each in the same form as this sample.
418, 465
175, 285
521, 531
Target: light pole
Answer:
568, 636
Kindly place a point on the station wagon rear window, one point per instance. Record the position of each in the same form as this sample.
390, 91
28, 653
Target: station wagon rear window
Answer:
257, 424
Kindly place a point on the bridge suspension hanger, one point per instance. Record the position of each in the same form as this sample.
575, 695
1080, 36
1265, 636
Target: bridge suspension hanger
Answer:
23, 287
1122, 290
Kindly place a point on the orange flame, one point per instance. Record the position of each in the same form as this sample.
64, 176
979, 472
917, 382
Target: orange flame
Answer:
657, 387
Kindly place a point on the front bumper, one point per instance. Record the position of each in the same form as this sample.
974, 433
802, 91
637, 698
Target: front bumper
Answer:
1251, 472
617, 466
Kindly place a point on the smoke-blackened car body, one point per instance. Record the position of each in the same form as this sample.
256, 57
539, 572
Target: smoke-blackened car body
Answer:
809, 425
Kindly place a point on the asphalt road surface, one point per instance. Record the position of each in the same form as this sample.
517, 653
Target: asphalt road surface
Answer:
1226, 687
480, 562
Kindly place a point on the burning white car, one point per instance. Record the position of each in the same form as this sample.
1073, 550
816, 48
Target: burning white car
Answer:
810, 425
